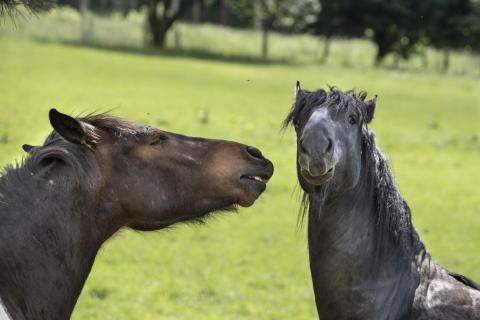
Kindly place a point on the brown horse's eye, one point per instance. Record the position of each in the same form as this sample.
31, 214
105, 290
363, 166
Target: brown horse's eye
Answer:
352, 120
159, 139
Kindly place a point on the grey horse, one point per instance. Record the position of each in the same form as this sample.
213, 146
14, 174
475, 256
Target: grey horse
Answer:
366, 259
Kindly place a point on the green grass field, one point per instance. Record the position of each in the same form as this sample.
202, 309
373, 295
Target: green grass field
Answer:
254, 264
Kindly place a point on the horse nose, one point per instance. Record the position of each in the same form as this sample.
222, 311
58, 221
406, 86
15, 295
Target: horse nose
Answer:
254, 153
316, 143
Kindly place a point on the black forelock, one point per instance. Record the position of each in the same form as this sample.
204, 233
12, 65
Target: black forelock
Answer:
321, 98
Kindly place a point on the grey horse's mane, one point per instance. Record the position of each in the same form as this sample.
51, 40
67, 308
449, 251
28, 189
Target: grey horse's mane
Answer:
392, 214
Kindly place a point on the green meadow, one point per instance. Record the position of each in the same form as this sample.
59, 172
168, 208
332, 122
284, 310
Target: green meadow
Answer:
252, 264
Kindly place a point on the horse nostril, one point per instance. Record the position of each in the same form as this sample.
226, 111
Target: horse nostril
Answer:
329, 145
254, 152
302, 147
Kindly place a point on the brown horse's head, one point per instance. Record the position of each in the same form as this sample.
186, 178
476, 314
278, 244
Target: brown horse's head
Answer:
153, 178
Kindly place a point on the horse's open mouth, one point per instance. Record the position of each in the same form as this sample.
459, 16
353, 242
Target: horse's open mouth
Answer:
259, 178
320, 179
253, 183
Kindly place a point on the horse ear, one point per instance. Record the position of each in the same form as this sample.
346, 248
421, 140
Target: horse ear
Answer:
371, 104
70, 128
27, 148
298, 91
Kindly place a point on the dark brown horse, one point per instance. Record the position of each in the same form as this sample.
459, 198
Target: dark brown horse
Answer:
366, 259
93, 176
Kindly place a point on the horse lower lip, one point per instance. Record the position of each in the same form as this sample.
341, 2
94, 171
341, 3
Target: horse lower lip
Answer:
319, 179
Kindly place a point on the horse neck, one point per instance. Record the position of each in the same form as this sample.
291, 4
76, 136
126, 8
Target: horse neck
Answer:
50, 233
353, 262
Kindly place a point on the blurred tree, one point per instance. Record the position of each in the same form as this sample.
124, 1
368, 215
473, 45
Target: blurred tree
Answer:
395, 26
84, 32
337, 18
284, 15
474, 22
279, 15
197, 11
450, 25
9, 6
392, 25
242, 13
399, 26
161, 15
223, 12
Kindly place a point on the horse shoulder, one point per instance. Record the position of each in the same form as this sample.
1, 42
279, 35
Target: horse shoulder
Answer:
445, 296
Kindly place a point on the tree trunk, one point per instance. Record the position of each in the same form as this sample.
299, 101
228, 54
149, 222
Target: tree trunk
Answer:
159, 24
264, 40
223, 14
384, 46
84, 32
156, 26
446, 60
378, 60
326, 50
381, 53
103, 4
425, 58
178, 39
197, 11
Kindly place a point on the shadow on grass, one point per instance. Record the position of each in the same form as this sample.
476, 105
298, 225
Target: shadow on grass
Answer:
168, 52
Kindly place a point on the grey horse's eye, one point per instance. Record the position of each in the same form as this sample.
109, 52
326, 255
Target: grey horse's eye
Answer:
352, 120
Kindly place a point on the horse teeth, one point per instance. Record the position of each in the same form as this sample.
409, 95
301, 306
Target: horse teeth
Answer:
257, 178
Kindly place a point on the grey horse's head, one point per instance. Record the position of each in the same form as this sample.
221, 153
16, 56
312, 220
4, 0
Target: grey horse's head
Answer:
329, 128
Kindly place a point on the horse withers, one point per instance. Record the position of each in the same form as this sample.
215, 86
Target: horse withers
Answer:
366, 259
93, 176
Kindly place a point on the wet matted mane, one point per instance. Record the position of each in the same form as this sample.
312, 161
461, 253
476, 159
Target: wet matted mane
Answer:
393, 215
366, 258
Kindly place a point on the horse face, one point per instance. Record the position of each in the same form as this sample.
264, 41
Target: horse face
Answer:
169, 177
160, 178
329, 138
329, 146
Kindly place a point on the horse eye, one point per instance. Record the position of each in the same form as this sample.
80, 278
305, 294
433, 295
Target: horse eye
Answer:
159, 139
352, 120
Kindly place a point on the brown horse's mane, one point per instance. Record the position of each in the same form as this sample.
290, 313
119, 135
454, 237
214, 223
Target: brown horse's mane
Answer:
77, 158
23, 178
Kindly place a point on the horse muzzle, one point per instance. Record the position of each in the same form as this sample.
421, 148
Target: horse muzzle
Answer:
314, 170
